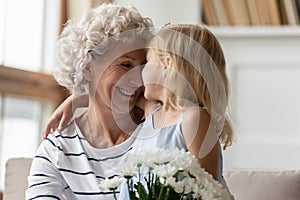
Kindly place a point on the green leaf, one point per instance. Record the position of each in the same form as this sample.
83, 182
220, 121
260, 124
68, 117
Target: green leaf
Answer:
156, 187
141, 191
161, 193
132, 196
131, 190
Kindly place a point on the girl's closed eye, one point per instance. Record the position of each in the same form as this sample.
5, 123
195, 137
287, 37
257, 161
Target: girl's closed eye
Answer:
142, 66
144, 62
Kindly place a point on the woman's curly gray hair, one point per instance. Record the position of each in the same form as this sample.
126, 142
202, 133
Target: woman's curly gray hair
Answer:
91, 33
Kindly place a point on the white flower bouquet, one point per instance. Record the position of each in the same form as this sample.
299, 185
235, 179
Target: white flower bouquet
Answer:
163, 174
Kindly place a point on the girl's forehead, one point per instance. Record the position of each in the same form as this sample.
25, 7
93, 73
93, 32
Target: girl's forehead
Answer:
150, 52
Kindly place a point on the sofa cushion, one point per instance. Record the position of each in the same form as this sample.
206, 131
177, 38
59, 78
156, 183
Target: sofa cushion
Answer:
264, 185
16, 173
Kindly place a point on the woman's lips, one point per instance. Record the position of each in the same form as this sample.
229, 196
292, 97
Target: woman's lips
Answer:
124, 91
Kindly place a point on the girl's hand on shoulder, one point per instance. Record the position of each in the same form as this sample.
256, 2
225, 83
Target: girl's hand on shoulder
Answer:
60, 117
64, 113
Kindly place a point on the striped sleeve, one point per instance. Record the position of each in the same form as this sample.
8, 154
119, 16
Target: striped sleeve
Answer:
45, 180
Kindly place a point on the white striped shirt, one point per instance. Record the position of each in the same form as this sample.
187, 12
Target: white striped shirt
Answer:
66, 166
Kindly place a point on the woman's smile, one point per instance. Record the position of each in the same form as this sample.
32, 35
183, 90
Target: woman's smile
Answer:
125, 92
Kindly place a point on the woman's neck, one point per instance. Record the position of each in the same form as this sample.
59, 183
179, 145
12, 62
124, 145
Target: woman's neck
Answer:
100, 128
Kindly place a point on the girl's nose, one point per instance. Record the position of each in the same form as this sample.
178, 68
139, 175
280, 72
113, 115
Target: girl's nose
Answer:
135, 77
142, 66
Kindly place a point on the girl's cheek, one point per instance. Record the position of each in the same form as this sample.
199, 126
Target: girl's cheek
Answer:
152, 74
145, 73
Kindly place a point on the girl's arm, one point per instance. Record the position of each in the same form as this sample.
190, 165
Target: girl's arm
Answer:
64, 113
201, 143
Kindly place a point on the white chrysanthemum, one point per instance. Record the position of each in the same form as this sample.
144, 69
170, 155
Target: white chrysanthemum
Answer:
111, 183
179, 170
160, 157
166, 170
188, 183
208, 188
186, 161
128, 170
178, 186
154, 157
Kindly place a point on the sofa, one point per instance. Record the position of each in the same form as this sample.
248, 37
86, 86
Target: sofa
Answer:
15, 183
244, 185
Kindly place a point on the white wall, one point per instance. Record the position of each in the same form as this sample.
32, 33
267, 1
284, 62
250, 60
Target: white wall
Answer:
264, 67
167, 11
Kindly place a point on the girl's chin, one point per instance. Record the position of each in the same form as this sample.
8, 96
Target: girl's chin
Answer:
149, 96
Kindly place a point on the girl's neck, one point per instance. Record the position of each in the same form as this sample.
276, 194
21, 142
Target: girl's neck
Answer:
167, 106
167, 115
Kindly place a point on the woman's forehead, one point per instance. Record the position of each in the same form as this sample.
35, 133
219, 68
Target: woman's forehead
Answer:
135, 54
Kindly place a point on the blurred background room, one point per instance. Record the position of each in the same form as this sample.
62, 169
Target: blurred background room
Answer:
261, 41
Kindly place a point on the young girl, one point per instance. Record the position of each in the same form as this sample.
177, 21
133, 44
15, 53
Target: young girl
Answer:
186, 96
185, 73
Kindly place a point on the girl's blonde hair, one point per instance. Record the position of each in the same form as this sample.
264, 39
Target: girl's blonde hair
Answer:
198, 57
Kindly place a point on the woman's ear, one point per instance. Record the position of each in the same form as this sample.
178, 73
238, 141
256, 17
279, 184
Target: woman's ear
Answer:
88, 73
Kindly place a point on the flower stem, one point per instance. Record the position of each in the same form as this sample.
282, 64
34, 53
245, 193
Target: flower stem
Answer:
115, 196
167, 194
161, 193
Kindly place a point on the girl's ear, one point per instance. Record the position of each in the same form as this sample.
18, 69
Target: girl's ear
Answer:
168, 61
88, 73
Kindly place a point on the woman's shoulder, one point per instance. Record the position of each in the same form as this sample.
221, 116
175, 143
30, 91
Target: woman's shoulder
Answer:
59, 138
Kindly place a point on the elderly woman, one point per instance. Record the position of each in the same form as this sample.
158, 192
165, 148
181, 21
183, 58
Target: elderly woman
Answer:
98, 55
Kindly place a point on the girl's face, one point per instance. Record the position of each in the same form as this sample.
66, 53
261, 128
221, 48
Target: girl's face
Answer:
153, 76
117, 88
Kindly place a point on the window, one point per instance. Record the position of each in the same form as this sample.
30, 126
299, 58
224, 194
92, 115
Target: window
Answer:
29, 30
21, 124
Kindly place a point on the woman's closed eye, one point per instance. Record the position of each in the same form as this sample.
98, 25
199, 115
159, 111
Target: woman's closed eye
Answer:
127, 65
